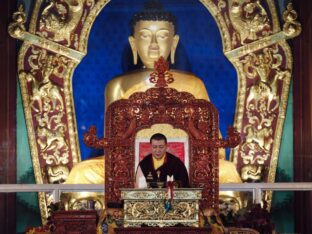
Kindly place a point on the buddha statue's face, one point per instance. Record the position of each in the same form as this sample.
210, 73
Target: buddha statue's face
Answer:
153, 39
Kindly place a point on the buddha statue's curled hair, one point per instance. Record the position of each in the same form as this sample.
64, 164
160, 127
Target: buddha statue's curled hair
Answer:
154, 11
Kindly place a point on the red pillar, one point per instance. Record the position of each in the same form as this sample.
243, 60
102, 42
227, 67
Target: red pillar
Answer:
302, 91
8, 67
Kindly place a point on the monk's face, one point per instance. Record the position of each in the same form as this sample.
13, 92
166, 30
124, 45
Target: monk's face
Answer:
159, 148
153, 39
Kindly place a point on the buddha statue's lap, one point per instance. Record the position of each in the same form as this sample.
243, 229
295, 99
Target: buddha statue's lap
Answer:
153, 36
92, 172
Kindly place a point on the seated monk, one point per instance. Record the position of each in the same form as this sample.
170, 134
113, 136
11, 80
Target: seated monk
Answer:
153, 35
159, 165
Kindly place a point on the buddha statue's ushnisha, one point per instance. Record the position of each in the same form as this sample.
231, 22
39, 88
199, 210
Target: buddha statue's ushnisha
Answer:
153, 35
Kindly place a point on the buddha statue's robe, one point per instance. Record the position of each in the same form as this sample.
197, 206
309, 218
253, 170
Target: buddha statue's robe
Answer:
122, 87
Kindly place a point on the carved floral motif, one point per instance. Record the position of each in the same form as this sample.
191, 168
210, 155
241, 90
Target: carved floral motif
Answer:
46, 102
292, 27
60, 18
17, 27
155, 214
249, 19
266, 73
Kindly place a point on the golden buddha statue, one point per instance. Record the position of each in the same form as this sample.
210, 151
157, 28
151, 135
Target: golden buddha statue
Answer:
153, 36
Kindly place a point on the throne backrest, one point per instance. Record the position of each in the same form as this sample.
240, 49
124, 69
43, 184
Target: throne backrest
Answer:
197, 117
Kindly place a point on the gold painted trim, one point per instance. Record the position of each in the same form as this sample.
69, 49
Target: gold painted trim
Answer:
70, 114
31, 133
282, 113
275, 19
85, 32
280, 122
256, 45
240, 102
215, 12
43, 206
28, 116
34, 17
52, 46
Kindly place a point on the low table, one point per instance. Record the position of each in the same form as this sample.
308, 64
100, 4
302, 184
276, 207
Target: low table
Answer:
147, 207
